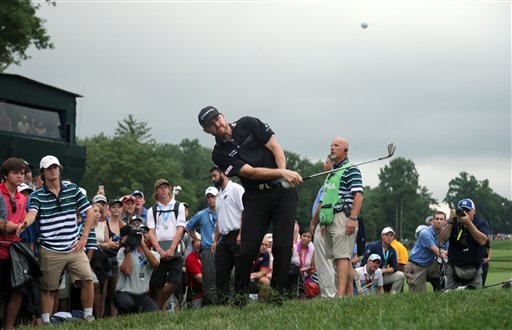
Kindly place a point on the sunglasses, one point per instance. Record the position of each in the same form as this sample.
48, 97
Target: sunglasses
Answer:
13, 205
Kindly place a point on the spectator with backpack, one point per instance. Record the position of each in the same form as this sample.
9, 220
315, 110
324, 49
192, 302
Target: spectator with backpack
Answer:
166, 222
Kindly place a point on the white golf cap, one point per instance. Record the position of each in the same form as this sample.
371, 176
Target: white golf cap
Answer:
48, 161
24, 186
211, 190
387, 230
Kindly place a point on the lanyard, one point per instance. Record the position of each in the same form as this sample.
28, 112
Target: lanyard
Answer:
386, 255
302, 255
213, 219
142, 259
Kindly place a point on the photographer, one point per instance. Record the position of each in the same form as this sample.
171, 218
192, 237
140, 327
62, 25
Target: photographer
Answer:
467, 235
137, 263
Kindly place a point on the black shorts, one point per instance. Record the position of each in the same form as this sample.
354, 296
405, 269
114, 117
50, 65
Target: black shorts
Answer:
169, 271
5, 278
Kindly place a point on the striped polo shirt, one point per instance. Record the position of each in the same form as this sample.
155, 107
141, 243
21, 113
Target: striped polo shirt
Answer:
351, 183
56, 216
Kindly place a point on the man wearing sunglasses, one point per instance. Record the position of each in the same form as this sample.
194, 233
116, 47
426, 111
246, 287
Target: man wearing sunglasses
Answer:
13, 173
467, 235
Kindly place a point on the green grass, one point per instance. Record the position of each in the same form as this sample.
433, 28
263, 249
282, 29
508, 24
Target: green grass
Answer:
477, 309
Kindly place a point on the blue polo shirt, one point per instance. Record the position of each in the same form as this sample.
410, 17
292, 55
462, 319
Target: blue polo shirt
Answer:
421, 254
204, 221
56, 216
463, 249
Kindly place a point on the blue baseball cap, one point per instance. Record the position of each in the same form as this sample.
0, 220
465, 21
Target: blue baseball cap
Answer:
138, 192
466, 203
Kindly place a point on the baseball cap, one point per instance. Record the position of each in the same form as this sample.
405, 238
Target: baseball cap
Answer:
138, 192
99, 198
207, 114
160, 182
374, 257
48, 161
135, 218
127, 198
211, 190
428, 219
268, 236
143, 227
29, 165
185, 204
387, 230
466, 203
117, 200
24, 186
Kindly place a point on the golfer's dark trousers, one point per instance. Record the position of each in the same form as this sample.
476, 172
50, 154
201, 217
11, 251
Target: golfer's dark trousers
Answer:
225, 257
278, 206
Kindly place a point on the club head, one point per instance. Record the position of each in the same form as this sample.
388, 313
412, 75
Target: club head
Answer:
391, 149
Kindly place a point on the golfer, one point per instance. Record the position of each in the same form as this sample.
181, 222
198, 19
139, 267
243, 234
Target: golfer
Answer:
248, 149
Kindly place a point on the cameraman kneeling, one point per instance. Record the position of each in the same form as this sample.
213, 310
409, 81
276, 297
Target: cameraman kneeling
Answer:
467, 235
136, 264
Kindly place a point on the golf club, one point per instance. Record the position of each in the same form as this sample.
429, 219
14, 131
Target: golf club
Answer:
506, 284
391, 151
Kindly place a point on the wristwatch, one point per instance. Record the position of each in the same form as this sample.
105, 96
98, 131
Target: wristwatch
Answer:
353, 218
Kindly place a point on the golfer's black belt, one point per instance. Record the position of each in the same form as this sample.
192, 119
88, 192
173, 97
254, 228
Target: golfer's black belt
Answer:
270, 185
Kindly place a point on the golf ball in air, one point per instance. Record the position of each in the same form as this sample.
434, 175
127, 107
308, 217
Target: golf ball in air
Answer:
364, 25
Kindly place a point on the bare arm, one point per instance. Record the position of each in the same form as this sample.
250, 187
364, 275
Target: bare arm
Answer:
277, 151
29, 219
126, 265
152, 259
316, 219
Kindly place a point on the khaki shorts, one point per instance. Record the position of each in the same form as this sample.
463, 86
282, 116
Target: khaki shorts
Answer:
52, 264
337, 244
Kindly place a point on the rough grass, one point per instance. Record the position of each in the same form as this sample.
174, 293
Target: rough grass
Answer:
477, 309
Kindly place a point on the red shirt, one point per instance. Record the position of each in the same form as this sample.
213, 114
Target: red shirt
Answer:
15, 217
193, 266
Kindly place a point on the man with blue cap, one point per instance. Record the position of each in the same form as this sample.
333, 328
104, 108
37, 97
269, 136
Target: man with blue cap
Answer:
467, 235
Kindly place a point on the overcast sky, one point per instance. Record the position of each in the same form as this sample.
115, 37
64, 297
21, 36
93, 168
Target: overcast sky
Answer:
432, 76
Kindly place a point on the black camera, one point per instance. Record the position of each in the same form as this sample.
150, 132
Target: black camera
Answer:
459, 212
134, 237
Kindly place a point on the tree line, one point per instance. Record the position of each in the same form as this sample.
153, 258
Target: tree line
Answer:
132, 160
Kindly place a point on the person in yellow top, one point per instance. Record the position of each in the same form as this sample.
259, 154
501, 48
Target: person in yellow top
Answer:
402, 254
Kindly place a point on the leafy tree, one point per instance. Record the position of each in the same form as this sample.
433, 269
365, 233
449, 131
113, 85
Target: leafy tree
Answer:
133, 128
309, 189
491, 206
19, 29
122, 164
398, 201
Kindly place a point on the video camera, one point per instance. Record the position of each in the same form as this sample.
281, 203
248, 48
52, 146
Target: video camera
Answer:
134, 236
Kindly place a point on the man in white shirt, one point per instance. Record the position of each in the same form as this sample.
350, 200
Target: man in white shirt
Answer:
369, 277
166, 229
226, 242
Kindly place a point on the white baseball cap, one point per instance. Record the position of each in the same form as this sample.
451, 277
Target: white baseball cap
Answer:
48, 161
211, 190
24, 186
374, 257
387, 230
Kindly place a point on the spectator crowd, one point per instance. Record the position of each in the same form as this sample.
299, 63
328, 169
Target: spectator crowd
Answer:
106, 256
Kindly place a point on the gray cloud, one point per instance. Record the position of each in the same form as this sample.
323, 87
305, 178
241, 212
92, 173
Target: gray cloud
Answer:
435, 78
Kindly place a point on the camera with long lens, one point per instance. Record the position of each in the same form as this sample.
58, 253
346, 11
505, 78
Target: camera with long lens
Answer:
134, 238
